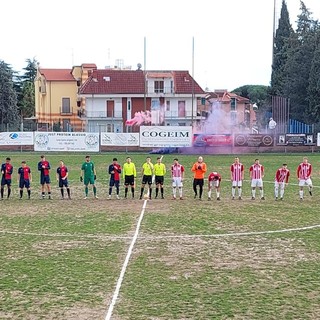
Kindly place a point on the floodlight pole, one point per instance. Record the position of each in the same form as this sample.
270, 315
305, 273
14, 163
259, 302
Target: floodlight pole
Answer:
144, 77
192, 94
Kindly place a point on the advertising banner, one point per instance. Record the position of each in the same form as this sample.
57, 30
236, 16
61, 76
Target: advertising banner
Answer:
253, 140
66, 141
16, 138
165, 136
295, 139
212, 140
119, 139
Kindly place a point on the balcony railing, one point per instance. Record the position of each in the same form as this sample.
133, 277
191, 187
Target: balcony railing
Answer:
66, 111
100, 114
159, 91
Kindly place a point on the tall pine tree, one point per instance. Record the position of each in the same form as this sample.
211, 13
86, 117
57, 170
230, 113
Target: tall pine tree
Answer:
313, 110
9, 115
280, 51
297, 69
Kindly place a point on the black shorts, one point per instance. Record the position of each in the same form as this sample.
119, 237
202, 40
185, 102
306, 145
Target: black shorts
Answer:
5, 182
129, 180
24, 183
147, 180
159, 180
45, 180
114, 183
63, 183
198, 182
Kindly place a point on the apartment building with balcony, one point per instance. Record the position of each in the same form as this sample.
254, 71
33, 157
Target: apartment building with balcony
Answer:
115, 96
85, 98
238, 113
57, 101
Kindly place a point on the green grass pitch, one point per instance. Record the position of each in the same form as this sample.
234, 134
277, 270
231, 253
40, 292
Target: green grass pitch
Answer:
192, 259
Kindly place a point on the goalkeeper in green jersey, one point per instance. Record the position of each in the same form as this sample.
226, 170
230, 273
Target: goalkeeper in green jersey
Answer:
88, 176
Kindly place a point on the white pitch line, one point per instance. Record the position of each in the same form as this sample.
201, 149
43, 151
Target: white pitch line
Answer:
65, 235
125, 264
187, 236
234, 234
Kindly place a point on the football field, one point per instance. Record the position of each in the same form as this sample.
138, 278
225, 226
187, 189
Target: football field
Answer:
160, 259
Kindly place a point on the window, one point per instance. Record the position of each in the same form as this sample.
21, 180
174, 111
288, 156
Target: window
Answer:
233, 104
65, 105
66, 126
110, 109
109, 127
233, 115
167, 105
181, 109
159, 86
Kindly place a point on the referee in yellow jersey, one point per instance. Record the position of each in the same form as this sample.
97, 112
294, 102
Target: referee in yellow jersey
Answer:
147, 172
129, 173
159, 172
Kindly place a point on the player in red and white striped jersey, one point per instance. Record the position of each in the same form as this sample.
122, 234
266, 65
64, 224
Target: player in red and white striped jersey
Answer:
304, 171
281, 180
237, 176
214, 180
177, 175
256, 176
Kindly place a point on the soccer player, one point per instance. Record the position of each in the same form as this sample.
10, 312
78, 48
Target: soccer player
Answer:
44, 168
177, 175
304, 171
147, 172
256, 176
6, 171
114, 170
214, 180
88, 175
237, 176
24, 179
281, 181
159, 172
199, 169
129, 174
62, 178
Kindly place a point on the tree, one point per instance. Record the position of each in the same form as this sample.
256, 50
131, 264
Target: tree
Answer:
313, 110
298, 65
280, 51
26, 89
9, 114
259, 95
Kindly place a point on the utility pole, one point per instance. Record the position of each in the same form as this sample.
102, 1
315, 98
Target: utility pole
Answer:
192, 95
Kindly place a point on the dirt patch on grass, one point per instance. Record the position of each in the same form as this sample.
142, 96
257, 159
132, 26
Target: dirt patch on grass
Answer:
48, 247
256, 253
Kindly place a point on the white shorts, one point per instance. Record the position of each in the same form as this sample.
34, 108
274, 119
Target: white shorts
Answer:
305, 182
177, 182
256, 183
279, 184
214, 183
237, 183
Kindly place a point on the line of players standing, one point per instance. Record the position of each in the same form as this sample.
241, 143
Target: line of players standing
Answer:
25, 178
256, 171
155, 174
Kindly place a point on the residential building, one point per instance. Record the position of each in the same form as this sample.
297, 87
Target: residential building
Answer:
57, 102
226, 112
118, 100
85, 98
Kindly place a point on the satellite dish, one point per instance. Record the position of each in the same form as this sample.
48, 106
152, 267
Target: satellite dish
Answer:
139, 65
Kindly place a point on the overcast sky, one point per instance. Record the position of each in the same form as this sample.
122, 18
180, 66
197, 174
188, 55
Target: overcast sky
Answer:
232, 39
